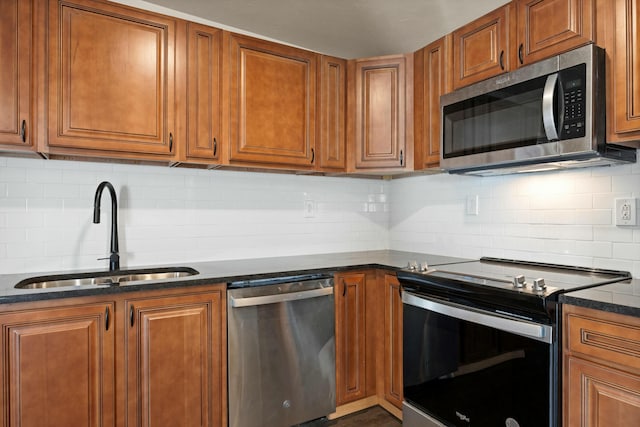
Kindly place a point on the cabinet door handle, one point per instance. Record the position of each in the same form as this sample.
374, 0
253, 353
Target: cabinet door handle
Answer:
313, 155
401, 158
215, 146
520, 53
23, 131
170, 142
344, 288
106, 318
131, 315
502, 60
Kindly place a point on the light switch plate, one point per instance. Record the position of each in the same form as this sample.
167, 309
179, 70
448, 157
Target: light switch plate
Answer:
472, 205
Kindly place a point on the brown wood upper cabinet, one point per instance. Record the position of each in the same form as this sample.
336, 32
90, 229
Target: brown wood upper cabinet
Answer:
601, 368
619, 34
111, 80
481, 48
432, 78
204, 94
549, 27
332, 114
382, 98
16, 119
272, 104
519, 33
58, 366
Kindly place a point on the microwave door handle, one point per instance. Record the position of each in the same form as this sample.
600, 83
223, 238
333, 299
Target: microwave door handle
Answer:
548, 96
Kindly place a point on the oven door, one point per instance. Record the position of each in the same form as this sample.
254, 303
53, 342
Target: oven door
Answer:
466, 367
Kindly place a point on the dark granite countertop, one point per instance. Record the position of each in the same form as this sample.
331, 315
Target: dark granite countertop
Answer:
621, 297
225, 272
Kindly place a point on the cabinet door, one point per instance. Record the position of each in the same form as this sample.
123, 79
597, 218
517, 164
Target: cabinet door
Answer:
381, 107
58, 367
432, 79
272, 103
332, 116
549, 27
350, 337
392, 340
204, 83
176, 360
621, 40
111, 78
481, 48
15, 74
598, 396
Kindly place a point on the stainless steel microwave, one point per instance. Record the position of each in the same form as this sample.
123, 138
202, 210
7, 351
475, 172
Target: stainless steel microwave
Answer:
547, 115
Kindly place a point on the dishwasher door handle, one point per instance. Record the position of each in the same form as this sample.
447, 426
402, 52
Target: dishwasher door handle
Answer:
283, 297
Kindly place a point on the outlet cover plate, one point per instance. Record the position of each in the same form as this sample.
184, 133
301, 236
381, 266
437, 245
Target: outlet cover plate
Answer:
626, 211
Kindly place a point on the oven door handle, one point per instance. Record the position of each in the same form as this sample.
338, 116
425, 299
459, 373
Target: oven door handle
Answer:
524, 328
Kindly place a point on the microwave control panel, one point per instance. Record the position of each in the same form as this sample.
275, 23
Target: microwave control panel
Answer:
573, 100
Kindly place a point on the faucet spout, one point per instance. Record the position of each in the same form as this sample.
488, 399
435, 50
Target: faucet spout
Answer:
114, 257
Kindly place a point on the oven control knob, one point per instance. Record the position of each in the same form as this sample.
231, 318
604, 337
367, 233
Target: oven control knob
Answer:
539, 285
412, 266
518, 282
424, 267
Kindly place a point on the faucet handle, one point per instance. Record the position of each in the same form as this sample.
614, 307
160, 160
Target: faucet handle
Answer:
114, 261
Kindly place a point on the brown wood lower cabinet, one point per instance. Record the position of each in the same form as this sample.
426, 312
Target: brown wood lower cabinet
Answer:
601, 368
175, 360
392, 340
136, 359
58, 366
368, 341
351, 378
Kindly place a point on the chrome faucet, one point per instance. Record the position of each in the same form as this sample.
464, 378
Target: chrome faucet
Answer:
114, 258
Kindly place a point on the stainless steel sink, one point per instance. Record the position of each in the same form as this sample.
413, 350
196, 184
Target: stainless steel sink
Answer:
112, 278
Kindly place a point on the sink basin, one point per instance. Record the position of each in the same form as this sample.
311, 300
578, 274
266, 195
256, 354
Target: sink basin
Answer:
113, 278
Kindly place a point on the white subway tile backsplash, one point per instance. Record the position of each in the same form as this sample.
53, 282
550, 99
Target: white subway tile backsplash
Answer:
560, 217
626, 251
629, 184
173, 215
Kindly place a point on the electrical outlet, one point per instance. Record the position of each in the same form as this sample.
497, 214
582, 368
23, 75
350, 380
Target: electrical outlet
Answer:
626, 211
309, 209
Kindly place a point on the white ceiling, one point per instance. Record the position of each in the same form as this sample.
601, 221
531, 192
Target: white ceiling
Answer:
343, 28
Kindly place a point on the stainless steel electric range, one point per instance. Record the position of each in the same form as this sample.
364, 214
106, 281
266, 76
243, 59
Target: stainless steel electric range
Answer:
481, 343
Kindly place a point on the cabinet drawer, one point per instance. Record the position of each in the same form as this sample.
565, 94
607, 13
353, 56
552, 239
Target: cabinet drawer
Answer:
611, 337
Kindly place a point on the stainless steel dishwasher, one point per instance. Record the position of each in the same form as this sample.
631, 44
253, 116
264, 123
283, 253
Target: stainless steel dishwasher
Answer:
281, 344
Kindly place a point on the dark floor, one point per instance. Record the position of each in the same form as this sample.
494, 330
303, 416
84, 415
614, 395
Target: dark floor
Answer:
372, 417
